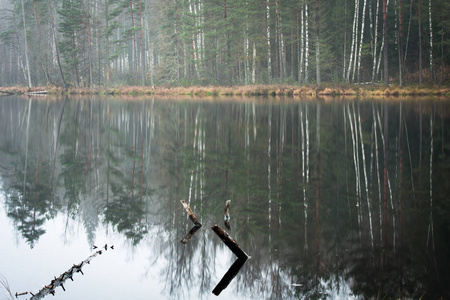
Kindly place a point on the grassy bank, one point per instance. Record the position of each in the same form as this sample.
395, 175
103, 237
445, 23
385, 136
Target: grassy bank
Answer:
247, 90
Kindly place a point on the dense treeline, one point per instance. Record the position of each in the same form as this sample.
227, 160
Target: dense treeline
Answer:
223, 42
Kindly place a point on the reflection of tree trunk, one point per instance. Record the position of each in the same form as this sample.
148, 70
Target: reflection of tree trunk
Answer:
420, 145
400, 143
356, 166
90, 138
26, 146
269, 186
385, 180
57, 141
369, 205
142, 154
318, 184
377, 163
431, 222
280, 162
134, 160
304, 176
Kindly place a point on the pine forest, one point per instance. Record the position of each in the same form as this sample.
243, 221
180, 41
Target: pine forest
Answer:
93, 43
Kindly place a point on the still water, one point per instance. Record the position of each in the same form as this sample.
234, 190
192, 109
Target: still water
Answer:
332, 199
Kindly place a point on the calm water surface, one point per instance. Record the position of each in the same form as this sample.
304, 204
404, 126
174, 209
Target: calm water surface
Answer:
340, 199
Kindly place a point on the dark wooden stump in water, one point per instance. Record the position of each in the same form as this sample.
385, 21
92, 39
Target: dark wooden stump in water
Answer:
236, 266
229, 241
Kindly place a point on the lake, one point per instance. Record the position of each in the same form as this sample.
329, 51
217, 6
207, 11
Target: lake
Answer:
343, 198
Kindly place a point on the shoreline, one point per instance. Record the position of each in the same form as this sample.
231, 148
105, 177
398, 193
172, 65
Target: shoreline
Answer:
247, 90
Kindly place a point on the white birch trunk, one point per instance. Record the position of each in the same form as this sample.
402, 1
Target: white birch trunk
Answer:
254, 64
361, 39
353, 41
193, 11
431, 40
301, 50
306, 43
26, 46
355, 55
269, 59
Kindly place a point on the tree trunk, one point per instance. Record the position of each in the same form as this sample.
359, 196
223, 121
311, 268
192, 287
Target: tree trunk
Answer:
375, 42
269, 59
280, 43
306, 43
89, 51
26, 46
56, 44
361, 40
420, 42
354, 37
141, 46
385, 53
400, 44
431, 42
318, 79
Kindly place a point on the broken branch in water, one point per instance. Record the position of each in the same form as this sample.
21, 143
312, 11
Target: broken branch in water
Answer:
190, 234
193, 218
227, 209
229, 275
190, 213
229, 241
59, 281
236, 266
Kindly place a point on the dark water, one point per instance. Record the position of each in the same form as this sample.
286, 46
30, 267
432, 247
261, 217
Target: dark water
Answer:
340, 199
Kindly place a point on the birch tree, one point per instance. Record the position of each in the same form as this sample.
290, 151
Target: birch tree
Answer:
26, 45
269, 58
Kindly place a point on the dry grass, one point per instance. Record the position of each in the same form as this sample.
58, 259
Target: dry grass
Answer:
4, 282
242, 90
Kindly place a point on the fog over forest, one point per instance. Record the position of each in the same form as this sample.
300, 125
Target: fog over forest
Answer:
92, 43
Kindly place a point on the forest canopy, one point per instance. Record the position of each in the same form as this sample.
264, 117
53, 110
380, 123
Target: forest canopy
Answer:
94, 43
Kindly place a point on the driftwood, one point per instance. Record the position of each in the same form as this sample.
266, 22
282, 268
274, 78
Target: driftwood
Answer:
37, 93
193, 218
59, 281
229, 241
236, 266
229, 275
227, 209
190, 213
190, 234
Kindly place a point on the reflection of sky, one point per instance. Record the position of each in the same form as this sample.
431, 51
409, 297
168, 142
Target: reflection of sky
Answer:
123, 273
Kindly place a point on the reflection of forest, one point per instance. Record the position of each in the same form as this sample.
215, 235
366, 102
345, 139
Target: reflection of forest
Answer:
326, 196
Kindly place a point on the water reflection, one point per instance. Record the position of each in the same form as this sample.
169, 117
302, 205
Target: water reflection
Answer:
331, 199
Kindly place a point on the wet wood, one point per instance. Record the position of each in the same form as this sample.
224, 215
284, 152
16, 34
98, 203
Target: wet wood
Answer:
190, 234
190, 213
227, 209
229, 275
230, 242
59, 281
37, 93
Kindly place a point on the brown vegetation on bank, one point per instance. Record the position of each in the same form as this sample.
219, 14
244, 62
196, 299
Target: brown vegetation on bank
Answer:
247, 90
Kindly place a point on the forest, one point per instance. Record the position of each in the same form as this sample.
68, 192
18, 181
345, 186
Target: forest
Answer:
98, 43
